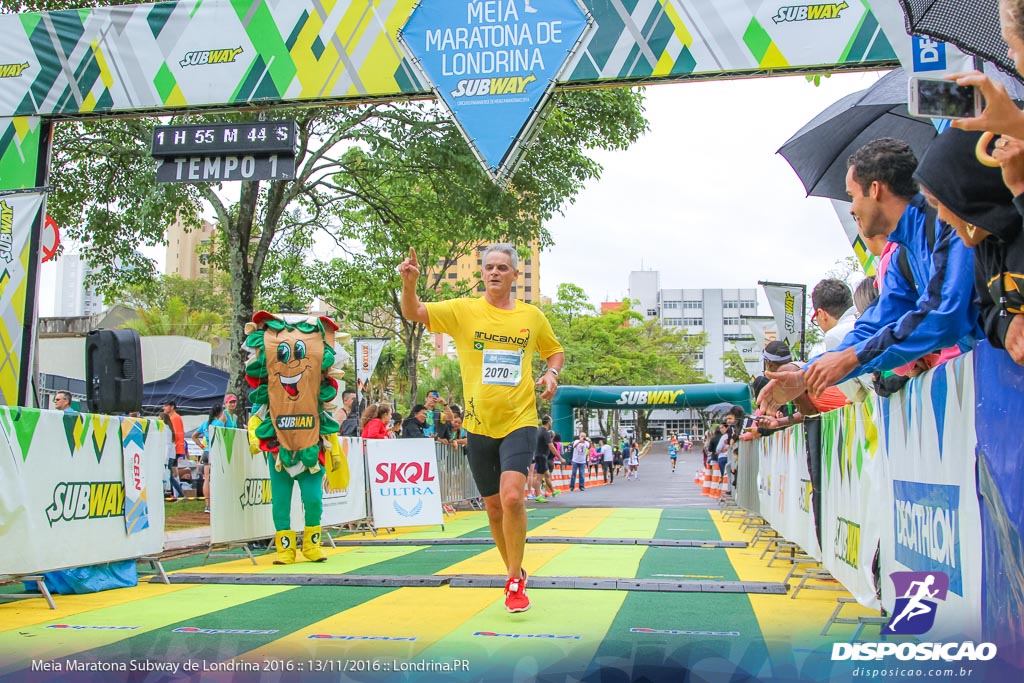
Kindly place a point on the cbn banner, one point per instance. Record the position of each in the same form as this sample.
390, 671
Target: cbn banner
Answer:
931, 521
62, 489
851, 477
784, 488
240, 490
404, 486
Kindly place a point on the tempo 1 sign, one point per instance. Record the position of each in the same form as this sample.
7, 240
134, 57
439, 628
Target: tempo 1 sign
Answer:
215, 152
202, 169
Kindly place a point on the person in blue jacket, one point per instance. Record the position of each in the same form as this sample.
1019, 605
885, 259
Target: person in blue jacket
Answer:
927, 299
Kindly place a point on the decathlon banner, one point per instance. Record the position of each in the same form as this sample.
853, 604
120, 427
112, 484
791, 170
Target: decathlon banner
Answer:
404, 486
931, 521
787, 304
851, 516
62, 489
367, 355
240, 498
784, 488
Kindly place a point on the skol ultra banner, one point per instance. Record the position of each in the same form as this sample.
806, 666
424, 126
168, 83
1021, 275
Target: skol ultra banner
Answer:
240, 490
63, 490
405, 489
931, 521
851, 517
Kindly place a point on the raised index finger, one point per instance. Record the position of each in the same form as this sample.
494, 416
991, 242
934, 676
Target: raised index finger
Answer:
412, 257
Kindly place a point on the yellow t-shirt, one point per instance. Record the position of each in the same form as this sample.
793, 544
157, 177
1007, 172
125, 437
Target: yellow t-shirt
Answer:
496, 350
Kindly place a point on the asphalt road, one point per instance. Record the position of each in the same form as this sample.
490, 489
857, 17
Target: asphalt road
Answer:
657, 487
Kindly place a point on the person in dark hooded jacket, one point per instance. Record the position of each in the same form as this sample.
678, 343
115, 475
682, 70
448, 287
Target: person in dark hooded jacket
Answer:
975, 200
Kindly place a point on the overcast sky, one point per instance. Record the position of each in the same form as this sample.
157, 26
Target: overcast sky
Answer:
703, 197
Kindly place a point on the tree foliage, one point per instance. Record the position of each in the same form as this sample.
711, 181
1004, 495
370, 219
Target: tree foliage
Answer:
432, 195
376, 178
176, 319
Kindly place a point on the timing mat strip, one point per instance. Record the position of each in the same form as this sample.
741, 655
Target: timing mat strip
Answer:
482, 581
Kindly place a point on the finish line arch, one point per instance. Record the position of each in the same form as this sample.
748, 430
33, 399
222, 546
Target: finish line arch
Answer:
195, 56
671, 397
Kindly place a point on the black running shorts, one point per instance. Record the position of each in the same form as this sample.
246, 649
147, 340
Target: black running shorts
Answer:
488, 457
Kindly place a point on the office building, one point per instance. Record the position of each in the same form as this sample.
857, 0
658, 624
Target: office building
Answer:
715, 312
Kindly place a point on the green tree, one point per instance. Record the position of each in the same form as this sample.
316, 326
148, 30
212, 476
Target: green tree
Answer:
619, 347
735, 368
208, 293
434, 197
176, 319
378, 178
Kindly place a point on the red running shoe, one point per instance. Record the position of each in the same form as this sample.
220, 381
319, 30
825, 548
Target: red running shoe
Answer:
515, 595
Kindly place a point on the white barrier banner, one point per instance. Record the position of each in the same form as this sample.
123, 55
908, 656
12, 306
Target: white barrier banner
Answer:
784, 488
347, 505
240, 498
851, 513
931, 522
62, 490
404, 485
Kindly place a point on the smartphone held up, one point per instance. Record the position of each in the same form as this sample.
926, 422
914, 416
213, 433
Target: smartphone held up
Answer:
941, 99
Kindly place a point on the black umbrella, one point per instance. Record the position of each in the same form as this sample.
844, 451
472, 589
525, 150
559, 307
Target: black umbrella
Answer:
718, 409
973, 27
818, 152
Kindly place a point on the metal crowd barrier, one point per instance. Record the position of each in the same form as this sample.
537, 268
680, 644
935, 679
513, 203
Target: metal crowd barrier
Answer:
747, 474
457, 485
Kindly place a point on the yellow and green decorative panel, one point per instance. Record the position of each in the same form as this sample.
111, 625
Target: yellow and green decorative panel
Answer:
197, 53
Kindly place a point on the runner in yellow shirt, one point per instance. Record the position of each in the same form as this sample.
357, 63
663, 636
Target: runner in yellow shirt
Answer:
496, 337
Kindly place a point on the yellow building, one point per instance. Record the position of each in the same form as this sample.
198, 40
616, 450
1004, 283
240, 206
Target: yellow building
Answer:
185, 250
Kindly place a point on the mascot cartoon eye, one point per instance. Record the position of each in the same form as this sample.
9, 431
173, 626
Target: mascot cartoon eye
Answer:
284, 352
300, 349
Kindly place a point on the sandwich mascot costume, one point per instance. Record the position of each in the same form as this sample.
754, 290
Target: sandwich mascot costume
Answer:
289, 370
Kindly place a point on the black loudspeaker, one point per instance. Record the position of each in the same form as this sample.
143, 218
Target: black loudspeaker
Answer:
113, 371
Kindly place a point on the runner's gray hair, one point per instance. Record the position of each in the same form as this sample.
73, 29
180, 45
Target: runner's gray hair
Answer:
503, 248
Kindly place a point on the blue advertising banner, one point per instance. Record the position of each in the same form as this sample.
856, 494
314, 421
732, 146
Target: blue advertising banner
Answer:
493, 63
1000, 411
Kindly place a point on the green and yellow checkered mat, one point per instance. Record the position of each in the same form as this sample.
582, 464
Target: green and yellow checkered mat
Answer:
346, 632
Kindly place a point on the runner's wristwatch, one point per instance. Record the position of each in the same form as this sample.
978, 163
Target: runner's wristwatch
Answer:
552, 370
